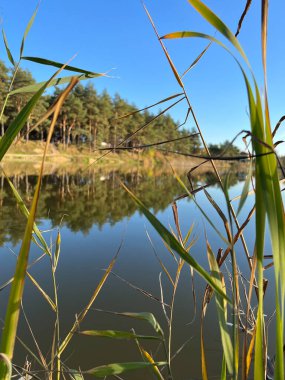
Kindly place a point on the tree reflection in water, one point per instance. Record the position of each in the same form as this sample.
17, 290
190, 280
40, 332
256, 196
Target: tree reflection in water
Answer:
85, 198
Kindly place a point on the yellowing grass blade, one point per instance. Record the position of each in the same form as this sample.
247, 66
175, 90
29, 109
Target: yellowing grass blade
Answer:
264, 25
90, 303
250, 353
154, 367
165, 51
203, 357
57, 250
43, 293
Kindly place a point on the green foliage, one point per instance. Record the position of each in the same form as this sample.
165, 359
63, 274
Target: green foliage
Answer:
87, 117
225, 148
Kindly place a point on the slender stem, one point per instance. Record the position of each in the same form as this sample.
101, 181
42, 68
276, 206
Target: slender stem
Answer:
10, 88
57, 327
218, 177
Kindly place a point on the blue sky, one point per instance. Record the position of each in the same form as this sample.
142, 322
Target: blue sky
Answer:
116, 35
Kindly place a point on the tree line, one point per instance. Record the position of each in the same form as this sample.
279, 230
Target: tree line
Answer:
89, 118
92, 119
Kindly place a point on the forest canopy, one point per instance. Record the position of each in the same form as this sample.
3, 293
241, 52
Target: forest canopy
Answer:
92, 119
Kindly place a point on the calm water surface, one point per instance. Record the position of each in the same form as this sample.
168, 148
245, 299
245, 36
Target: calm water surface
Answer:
96, 216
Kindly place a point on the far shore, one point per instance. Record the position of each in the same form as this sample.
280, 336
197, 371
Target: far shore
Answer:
27, 156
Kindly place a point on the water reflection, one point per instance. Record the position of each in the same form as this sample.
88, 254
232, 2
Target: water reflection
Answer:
96, 214
85, 198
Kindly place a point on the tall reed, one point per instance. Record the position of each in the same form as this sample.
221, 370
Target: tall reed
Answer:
268, 206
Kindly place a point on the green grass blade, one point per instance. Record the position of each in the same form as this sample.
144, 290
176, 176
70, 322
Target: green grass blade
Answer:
55, 82
28, 27
6, 365
217, 23
224, 369
115, 334
26, 213
57, 250
17, 288
74, 375
119, 368
18, 123
48, 62
20, 120
222, 313
9, 54
201, 210
143, 316
245, 189
169, 239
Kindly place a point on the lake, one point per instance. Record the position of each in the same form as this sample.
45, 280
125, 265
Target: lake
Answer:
96, 218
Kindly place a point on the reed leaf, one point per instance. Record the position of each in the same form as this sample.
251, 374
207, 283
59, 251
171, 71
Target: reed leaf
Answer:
54, 82
119, 368
33, 355
8, 51
115, 334
154, 367
264, 26
82, 315
76, 375
203, 356
268, 197
217, 23
13, 308
57, 250
43, 293
21, 118
6, 366
245, 189
17, 288
28, 27
26, 213
224, 369
222, 313
196, 60
173, 68
152, 105
144, 316
48, 62
170, 240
